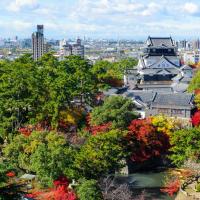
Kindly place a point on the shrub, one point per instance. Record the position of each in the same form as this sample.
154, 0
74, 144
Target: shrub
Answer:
89, 190
198, 187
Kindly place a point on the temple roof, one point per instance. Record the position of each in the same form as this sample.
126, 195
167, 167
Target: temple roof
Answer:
186, 67
142, 97
160, 42
173, 99
163, 60
180, 87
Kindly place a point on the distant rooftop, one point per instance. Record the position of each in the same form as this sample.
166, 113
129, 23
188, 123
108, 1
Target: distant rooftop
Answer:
144, 96
160, 42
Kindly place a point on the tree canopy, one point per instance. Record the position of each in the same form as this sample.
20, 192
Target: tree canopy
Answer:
185, 145
116, 109
111, 74
45, 153
89, 190
195, 83
145, 141
32, 92
101, 154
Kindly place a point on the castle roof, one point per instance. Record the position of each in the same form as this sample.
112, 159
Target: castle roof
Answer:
173, 99
160, 42
163, 60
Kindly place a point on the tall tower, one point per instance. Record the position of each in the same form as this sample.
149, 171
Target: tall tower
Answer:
38, 42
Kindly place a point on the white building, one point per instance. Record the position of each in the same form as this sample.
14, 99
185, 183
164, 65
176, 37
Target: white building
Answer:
191, 57
65, 49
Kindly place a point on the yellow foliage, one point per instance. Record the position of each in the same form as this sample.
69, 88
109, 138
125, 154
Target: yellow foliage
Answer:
163, 123
32, 147
197, 100
71, 116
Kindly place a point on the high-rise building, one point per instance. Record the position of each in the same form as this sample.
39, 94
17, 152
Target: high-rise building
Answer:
196, 44
65, 48
182, 44
47, 47
78, 49
38, 42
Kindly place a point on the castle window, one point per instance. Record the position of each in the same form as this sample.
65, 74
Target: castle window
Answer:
177, 111
163, 110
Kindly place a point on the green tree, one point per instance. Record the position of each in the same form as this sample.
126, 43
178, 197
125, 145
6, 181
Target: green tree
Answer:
116, 109
82, 81
45, 153
33, 92
185, 145
3, 177
195, 83
109, 74
128, 63
101, 70
120, 66
54, 89
89, 190
17, 93
101, 154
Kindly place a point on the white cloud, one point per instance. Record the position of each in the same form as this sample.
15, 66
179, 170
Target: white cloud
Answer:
191, 8
21, 25
151, 9
131, 18
15, 25
17, 5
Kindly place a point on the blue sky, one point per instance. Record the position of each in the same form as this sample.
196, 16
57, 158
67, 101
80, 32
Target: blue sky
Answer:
134, 19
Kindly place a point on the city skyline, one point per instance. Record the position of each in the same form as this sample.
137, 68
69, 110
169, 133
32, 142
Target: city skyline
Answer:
101, 18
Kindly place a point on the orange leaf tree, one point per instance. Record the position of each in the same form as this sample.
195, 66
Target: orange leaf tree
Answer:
145, 141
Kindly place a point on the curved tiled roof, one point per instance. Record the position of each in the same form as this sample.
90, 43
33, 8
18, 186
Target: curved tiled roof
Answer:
143, 96
186, 67
163, 58
173, 99
160, 41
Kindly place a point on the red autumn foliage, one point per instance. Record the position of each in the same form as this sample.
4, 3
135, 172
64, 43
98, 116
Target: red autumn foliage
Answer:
197, 91
63, 125
25, 131
145, 141
100, 129
172, 187
10, 174
41, 126
62, 180
33, 195
94, 130
88, 120
59, 192
196, 119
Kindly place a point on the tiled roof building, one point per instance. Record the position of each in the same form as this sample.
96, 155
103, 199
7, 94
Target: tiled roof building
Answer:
158, 84
158, 65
